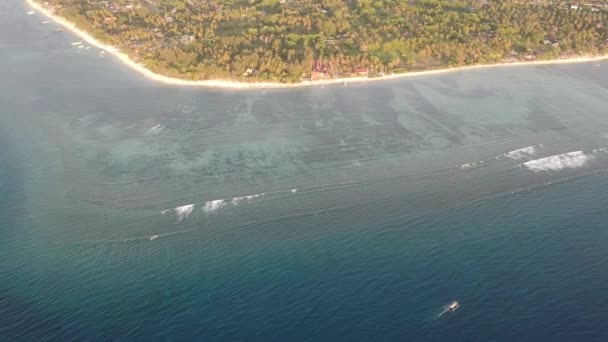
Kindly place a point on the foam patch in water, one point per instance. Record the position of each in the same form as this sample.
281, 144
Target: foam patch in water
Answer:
569, 160
213, 206
522, 153
237, 200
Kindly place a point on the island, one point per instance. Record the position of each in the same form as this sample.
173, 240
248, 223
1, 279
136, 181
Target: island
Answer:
291, 41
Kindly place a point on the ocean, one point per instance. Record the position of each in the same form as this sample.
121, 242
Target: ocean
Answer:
136, 211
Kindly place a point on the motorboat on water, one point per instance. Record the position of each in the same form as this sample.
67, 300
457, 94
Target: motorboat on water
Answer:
453, 306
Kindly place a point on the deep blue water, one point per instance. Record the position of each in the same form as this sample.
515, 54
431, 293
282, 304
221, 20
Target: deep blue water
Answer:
370, 207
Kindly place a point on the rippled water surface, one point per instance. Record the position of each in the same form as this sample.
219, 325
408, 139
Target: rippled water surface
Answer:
138, 211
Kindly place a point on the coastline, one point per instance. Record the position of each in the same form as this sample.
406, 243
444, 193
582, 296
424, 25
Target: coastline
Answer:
125, 59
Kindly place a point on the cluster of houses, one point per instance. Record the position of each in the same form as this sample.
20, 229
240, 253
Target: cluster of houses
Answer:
552, 42
321, 70
117, 8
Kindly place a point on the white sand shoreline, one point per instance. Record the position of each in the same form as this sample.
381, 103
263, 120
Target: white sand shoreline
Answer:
124, 58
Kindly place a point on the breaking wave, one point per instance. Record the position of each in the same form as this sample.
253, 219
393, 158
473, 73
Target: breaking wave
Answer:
237, 200
181, 212
518, 154
522, 153
213, 206
210, 207
569, 160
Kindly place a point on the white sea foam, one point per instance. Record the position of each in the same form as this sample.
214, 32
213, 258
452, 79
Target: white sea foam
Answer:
213, 206
156, 129
522, 153
209, 206
602, 149
569, 160
237, 200
467, 166
183, 211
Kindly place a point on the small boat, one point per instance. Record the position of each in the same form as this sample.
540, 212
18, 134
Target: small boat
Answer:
57, 30
453, 306
76, 43
153, 237
30, 12
345, 84
46, 22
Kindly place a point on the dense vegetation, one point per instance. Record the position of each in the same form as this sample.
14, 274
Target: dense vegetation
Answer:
287, 40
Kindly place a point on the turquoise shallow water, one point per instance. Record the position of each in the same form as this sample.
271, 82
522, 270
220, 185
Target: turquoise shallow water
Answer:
328, 213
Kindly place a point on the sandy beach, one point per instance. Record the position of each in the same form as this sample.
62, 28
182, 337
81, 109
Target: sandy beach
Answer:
124, 58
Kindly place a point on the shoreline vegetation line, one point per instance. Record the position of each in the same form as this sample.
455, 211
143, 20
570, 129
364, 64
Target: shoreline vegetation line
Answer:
124, 58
